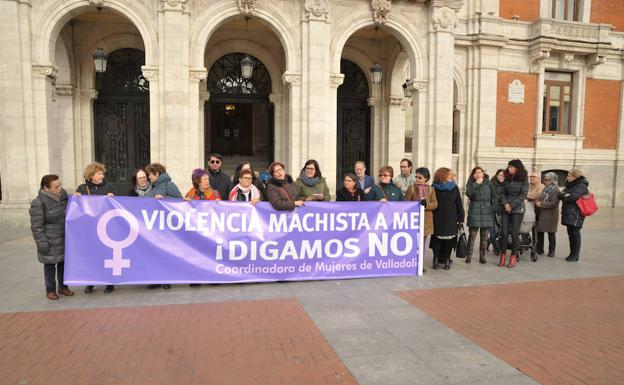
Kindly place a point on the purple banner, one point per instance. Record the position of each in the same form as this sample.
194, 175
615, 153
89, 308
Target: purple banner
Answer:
123, 240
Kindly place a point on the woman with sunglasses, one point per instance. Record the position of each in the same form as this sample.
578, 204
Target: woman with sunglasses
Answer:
311, 183
281, 190
446, 217
385, 190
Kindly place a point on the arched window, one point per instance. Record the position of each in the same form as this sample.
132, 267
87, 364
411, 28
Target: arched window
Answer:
123, 72
225, 78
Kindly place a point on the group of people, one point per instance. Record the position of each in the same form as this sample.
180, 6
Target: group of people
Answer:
503, 196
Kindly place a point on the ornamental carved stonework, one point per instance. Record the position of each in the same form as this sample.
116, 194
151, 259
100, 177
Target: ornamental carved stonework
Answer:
336, 81
291, 78
198, 74
247, 7
45, 70
444, 19
173, 5
380, 10
149, 72
316, 9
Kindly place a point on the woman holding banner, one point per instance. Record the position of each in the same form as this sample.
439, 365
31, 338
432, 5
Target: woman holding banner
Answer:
162, 187
385, 190
281, 191
312, 186
446, 217
47, 222
351, 191
245, 191
201, 189
421, 191
95, 185
140, 184
258, 182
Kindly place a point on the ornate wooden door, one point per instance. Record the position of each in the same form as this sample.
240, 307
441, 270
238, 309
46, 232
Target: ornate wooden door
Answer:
122, 133
353, 120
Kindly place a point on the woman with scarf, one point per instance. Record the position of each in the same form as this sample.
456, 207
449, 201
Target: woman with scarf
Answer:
311, 183
571, 217
385, 190
446, 217
480, 211
95, 184
201, 189
281, 190
245, 191
548, 204
511, 200
141, 186
350, 191
47, 222
421, 191
257, 181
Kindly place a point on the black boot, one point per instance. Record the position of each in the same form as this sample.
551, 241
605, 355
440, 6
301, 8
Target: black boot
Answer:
447, 263
468, 258
552, 242
482, 257
109, 289
435, 263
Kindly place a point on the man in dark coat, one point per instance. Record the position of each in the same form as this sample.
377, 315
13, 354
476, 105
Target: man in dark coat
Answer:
219, 180
571, 217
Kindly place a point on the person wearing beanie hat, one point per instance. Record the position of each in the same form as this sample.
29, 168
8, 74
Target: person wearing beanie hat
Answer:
201, 189
514, 192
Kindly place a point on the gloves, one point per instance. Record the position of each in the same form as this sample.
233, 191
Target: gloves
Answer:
423, 202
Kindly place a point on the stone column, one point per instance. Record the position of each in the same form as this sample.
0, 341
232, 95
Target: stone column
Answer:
441, 48
196, 132
204, 97
83, 133
157, 143
420, 148
62, 154
177, 138
394, 140
319, 134
278, 126
293, 140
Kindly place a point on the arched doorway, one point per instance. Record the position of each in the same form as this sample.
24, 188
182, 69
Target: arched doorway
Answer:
239, 115
122, 132
353, 120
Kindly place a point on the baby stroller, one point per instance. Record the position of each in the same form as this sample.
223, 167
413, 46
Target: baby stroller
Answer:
526, 228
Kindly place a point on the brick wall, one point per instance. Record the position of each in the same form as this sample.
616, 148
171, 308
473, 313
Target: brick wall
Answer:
608, 11
515, 123
528, 10
602, 113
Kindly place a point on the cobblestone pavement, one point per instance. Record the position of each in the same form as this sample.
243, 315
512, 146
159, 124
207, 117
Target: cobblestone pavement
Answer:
378, 336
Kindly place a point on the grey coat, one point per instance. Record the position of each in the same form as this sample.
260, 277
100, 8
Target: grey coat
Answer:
165, 187
514, 193
549, 211
482, 204
47, 222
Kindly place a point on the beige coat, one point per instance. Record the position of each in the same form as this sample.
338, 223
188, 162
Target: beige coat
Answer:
432, 203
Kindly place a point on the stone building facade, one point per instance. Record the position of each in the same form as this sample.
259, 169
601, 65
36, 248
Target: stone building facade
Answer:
464, 82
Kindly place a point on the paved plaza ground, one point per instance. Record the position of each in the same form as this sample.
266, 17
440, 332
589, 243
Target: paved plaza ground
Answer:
548, 322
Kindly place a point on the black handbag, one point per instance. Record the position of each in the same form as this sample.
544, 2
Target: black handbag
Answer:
461, 249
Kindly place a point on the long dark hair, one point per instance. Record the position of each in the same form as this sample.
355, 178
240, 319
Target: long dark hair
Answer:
521, 174
134, 177
471, 177
317, 174
238, 170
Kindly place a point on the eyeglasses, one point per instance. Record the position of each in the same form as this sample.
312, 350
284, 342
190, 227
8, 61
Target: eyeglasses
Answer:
215, 161
380, 175
141, 177
404, 166
311, 168
245, 177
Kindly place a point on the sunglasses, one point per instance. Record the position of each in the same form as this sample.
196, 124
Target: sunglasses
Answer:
215, 161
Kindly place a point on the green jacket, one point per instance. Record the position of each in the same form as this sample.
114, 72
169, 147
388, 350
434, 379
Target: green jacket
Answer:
388, 191
319, 188
482, 204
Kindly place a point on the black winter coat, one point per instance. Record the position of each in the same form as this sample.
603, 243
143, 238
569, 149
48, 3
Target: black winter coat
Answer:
570, 213
514, 192
90, 188
221, 182
450, 211
346, 196
47, 222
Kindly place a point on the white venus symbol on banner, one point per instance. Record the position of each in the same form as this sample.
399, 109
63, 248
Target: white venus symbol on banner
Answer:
117, 263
